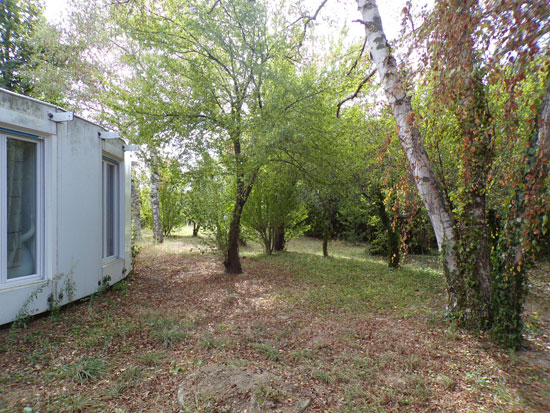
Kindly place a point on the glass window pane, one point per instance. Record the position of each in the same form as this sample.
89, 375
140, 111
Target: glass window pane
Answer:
110, 213
22, 208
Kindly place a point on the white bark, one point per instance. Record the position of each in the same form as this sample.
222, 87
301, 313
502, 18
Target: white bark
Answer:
136, 208
155, 203
409, 135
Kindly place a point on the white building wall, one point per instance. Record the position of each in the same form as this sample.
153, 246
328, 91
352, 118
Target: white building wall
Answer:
73, 156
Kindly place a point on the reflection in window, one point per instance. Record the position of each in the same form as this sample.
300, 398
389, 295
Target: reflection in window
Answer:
110, 209
22, 208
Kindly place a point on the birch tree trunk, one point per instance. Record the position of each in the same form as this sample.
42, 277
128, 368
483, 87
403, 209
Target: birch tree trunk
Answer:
155, 203
136, 208
428, 186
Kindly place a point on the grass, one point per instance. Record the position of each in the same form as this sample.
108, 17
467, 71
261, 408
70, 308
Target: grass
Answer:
169, 331
356, 334
268, 350
345, 284
86, 369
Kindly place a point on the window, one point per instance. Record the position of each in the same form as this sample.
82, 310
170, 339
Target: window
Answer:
21, 208
110, 209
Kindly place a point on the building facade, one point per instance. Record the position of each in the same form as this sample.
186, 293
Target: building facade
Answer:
64, 207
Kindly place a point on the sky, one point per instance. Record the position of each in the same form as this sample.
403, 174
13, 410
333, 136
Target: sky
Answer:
390, 10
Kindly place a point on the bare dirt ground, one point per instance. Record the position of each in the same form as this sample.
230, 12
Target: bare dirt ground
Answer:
341, 334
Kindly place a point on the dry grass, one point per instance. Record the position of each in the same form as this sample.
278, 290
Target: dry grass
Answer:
346, 332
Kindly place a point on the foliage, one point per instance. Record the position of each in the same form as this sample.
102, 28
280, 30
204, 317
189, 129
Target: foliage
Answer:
274, 205
480, 108
171, 196
25, 312
171, 190
18, 21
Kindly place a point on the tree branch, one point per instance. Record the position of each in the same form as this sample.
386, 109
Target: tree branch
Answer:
309, 19
365, 80
354, 65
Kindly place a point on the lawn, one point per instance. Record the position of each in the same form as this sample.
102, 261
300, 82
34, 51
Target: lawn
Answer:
343, 334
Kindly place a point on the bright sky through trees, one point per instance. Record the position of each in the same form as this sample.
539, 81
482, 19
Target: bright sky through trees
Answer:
390, 11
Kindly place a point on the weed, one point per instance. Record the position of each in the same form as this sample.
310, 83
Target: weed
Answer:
476, 380
445, 381
132, 374
268, 350
413, 362
208, 341
85, 370
121, 286
268, 392
24, 313
176, 367
322, 375
168, 330
151, 359
301, 354
76, 403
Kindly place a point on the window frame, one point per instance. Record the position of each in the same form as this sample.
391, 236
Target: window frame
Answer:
116, 209
6, 134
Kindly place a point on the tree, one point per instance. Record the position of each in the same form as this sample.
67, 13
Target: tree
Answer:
158, 234
274, 210
18, 21
485, 282
171, 195
204, 185
222, 69
136, 205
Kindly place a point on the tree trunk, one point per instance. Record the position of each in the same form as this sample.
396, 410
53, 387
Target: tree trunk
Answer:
474, 252
428, 186
392, 247
269, 240
325, 239
136, 208
232, 260
279, 238
155, 203
196, 228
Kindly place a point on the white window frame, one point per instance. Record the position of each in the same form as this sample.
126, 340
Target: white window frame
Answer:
116, 209
40, 193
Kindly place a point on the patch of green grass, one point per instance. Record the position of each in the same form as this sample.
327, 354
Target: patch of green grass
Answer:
128, 378
208, 341
355, 285
359, 399
151, 359
323, 375
75, 403
86, 369
132, 374
268, 350
169, 331
302, 354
